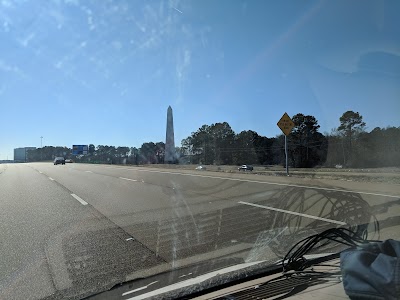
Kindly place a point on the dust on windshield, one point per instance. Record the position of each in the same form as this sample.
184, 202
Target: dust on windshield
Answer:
142, 138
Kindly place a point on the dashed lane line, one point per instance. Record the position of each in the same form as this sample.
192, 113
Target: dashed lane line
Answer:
271, 183
83, 202
255, 181
128, 179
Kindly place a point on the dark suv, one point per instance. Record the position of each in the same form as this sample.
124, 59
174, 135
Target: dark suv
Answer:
59, 160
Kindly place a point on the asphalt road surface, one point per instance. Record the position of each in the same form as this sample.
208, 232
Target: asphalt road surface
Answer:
69, 230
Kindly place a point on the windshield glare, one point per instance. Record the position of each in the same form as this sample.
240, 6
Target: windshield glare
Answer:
176, 138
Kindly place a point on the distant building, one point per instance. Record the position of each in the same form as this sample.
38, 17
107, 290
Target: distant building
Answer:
20, 154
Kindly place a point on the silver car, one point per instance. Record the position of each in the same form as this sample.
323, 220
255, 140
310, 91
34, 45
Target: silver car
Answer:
245, 168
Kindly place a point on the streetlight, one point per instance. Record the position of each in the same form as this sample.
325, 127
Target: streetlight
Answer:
41, 146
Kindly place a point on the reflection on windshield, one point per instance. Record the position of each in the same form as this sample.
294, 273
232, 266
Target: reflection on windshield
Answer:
181, 137
245, 232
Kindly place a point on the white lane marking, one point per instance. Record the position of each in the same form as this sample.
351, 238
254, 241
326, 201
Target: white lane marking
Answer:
293, 213
40, 172
128, 179
51, 178
196, 280
257, 181
88, 171
83, 202
139, 289
185, 275
271, 183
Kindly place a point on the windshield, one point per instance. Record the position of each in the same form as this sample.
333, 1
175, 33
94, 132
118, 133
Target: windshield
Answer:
181, 137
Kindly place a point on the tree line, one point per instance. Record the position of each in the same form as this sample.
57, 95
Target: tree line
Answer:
348, 145
148, 153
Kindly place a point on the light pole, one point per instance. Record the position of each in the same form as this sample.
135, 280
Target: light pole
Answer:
41, 146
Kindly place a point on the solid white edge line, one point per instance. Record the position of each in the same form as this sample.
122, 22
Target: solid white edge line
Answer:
51, 178
293, 213
257, 181
128, 179
272, 183
83, 202
192, 281
139, 289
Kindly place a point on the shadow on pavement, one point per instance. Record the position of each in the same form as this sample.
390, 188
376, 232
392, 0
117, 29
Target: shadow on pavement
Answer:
80, 257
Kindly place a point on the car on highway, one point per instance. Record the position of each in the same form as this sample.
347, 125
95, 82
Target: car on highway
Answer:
245, 168
59, 161
209, 139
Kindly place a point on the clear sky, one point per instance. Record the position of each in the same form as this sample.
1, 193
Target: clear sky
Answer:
104, 72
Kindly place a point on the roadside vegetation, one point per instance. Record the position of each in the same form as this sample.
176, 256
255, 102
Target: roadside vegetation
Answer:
350, 145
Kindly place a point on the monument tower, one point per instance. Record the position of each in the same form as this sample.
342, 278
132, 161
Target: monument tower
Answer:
170, 155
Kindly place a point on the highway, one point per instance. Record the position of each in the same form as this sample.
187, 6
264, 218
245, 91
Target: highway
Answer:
78, 227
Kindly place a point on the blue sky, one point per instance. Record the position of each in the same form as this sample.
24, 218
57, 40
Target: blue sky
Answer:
104, 72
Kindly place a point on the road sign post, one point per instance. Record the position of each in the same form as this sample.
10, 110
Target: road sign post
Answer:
286, 125
287, 166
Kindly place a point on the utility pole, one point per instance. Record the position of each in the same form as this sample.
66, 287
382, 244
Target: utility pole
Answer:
41, 146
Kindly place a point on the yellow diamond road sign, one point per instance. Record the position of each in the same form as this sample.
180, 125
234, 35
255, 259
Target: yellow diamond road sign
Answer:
285, 124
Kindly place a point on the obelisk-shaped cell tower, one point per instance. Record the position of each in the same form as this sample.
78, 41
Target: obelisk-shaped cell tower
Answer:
170, 155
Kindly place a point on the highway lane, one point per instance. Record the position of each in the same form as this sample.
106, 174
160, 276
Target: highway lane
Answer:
137, 198
149, 207
176, 217
230, 186
31, 208
42, 227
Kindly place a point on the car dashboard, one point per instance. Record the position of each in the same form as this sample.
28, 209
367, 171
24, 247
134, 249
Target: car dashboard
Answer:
322, 281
